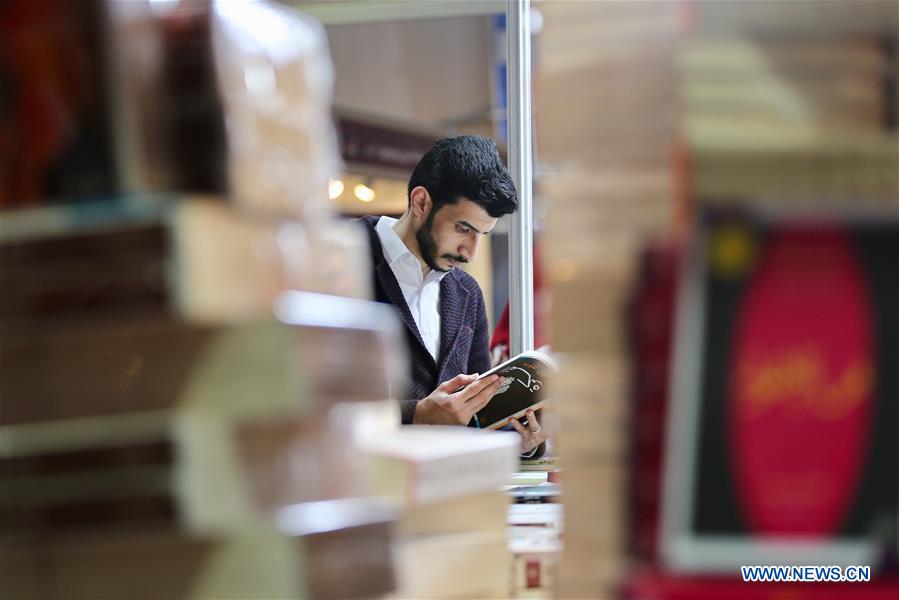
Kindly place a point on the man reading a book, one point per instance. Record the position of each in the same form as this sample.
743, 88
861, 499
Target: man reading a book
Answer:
456, 193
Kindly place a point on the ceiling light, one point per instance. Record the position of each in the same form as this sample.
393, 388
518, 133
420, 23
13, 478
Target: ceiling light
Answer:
364, 193
335, 189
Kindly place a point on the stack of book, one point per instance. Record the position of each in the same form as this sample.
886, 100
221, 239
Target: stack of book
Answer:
606, 175
680, 104
205, 456
134, 433
306, 559
535, 540
799, 123
620, 58
166, 425
445, 481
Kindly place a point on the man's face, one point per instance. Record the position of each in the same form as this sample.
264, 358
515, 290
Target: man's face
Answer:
450, 236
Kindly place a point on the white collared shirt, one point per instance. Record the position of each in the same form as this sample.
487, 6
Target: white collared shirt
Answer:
422, 294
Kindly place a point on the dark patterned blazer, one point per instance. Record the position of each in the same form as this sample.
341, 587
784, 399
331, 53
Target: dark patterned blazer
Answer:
464, 334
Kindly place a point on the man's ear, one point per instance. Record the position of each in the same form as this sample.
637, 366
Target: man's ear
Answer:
420, 203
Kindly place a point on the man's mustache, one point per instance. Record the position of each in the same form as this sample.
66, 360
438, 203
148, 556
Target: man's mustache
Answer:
459, 259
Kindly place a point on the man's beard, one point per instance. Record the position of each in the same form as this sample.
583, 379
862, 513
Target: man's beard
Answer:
427, 245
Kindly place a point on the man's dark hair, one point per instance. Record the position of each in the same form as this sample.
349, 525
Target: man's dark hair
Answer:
468, 166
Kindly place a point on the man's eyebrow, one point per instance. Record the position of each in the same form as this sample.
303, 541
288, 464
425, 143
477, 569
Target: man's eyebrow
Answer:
472, 227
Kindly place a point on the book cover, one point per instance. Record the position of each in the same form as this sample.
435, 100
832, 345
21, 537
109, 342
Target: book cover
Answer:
784, 445
523, 387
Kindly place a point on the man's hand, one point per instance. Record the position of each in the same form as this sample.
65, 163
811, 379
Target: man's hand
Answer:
446, 406
531, 436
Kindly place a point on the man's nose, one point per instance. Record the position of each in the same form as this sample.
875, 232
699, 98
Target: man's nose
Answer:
470, 248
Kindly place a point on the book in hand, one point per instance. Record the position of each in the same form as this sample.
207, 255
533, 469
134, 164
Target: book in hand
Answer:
523, 388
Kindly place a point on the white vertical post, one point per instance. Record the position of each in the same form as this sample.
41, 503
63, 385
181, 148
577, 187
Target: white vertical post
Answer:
521, 255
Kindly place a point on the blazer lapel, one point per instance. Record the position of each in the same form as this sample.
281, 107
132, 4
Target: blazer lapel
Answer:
391, 288
386, 281
453, 304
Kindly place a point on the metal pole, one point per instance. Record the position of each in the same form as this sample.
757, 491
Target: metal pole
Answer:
521, 254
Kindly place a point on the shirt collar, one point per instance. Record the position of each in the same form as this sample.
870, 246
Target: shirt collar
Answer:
395, 249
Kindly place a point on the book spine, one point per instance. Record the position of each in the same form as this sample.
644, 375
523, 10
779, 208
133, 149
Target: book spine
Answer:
82, 274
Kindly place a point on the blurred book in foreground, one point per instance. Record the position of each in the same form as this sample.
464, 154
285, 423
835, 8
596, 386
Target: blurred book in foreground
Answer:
446, 482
